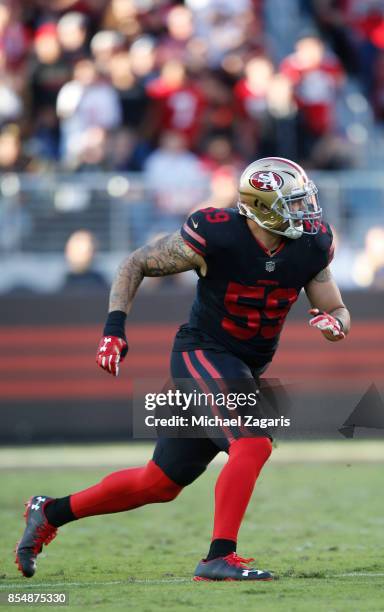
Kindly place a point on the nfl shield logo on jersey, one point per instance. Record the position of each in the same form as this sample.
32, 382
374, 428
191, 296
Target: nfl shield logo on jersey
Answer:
270, 266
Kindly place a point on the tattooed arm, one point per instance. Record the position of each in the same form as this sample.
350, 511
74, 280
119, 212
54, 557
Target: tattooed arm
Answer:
168, 255
324, 294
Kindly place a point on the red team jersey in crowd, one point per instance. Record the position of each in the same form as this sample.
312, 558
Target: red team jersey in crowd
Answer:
250, 103
315, 90
180, 108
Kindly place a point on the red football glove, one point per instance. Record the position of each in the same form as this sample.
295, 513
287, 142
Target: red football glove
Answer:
327, 324
111, 351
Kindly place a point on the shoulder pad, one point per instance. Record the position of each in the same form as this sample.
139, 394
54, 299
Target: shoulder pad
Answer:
201, 229
324, 240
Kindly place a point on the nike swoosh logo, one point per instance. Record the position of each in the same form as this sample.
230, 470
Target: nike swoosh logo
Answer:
195, 225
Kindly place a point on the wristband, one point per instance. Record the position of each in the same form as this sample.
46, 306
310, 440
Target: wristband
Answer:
115, 324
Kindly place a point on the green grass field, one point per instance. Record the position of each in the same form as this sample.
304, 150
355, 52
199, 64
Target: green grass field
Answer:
318, 525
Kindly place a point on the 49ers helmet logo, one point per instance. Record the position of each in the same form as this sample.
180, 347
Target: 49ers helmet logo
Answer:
266, 181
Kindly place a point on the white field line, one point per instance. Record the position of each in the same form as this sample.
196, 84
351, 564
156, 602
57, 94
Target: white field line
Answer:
52, 585
117, 455
358, 574
19, 586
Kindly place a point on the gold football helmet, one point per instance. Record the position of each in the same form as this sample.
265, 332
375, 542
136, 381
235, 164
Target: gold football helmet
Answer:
277, 194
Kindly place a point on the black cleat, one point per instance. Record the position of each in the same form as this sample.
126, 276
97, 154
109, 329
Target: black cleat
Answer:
37, 532
231, 567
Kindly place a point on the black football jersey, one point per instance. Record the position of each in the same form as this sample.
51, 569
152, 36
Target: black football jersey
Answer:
242, 302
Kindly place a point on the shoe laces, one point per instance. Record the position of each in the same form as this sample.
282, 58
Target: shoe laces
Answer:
234, 559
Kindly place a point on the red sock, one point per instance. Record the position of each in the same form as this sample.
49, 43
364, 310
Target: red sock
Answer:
235, 484
125, 490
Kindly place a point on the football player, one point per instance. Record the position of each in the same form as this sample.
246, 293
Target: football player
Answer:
252, 261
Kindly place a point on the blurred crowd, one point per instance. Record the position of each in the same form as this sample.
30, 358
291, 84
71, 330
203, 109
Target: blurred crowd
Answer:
105, 84
185, 92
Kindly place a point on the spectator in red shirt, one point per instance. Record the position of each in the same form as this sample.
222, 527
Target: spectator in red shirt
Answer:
316, 75
177, 102
252, 90
251, 94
